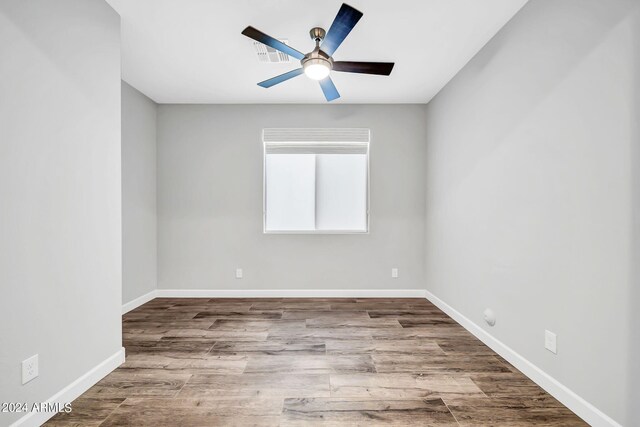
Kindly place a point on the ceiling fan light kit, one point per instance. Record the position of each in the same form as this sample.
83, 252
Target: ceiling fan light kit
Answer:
319, 63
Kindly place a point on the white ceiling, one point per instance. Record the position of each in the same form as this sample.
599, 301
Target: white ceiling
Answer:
191, 51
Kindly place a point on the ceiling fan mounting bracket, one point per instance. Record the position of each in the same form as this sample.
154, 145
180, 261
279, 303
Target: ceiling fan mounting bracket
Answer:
317, 34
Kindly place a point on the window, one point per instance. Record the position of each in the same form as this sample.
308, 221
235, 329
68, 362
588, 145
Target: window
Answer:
316, 180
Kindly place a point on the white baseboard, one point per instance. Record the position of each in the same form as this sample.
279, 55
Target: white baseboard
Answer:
291, 293
138, 301
566, 396
73, 390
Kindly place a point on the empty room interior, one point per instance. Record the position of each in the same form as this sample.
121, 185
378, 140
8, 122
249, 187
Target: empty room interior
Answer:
299, 213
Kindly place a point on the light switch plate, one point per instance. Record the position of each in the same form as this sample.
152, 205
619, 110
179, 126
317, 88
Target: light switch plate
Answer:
550, 342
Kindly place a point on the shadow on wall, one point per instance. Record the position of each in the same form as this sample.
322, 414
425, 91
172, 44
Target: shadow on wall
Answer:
633, 394
537, 79
36, 25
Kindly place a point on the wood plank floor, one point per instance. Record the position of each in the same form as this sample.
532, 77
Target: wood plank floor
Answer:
290, 362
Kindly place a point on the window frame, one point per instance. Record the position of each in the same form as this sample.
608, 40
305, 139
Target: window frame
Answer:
347, 232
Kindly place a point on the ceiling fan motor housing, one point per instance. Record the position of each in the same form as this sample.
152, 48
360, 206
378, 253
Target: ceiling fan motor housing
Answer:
317, 57
317, 64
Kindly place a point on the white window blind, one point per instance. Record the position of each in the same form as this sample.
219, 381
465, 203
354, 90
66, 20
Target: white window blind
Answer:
316, 180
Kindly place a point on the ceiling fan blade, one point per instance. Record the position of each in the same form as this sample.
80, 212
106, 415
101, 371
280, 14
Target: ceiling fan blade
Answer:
258, 35
345, 20
380, 68
281, 78
329, 89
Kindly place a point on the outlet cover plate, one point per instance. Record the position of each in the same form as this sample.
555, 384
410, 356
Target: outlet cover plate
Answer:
550, 342
29, 369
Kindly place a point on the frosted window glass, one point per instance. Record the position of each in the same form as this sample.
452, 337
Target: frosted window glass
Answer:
341, 192
290, 192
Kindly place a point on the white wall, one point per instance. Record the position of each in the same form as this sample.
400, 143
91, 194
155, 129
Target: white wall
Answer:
60, 228
139, 243
531, 190
210, 201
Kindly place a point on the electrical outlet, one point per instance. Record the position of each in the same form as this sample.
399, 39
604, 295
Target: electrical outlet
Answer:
29, 369
550, 342
238, 273
394, 273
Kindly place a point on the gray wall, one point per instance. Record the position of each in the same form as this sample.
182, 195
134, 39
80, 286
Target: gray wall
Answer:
633, 395
532, 188
210, 201
60, 257
139, 245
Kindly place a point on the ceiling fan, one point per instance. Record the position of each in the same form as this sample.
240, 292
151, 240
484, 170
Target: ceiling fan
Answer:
319, 63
